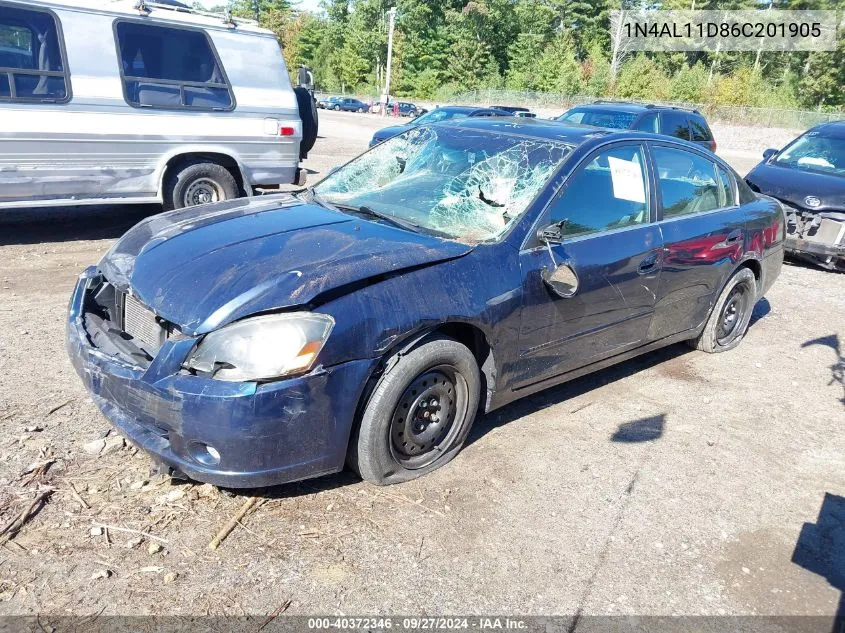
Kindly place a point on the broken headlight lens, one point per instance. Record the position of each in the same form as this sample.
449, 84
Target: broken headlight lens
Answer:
263, 347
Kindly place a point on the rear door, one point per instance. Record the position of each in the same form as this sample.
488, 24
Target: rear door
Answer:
613, 245
703, 232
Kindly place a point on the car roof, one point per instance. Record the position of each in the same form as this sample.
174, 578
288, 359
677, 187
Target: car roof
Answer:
833, 129
629, 106
569, 133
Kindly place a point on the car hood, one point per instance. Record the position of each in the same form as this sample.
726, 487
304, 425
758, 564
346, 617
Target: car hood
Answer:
207, 266
792, 186
388, 132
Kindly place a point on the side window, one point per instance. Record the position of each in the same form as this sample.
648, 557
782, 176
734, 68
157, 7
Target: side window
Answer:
687, 182
674, 123
700, 131
608, 193
726, 194
648, 123
32, 66
165, 67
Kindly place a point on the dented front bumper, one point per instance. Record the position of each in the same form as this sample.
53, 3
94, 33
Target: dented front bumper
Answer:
264, 434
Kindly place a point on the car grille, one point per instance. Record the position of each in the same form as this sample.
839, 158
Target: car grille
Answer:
148, 331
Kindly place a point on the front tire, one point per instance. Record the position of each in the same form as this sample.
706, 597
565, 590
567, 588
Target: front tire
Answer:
198, 182
728, 322
419, 414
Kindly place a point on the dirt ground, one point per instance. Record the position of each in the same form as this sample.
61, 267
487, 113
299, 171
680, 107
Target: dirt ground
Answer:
677, 483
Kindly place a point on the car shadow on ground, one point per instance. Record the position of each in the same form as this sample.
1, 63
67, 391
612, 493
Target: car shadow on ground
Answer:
642, 430
761, 309
837, 370
648, 428
67, 224
821, 550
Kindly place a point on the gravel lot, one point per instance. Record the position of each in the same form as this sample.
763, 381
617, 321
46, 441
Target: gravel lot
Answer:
677, 483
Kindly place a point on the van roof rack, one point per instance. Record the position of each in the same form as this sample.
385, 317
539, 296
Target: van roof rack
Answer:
146, 6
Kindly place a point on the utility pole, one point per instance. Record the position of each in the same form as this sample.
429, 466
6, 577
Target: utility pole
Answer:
386, 96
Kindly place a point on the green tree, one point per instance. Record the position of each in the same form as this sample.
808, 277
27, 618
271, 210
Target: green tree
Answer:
641, 78
558, 70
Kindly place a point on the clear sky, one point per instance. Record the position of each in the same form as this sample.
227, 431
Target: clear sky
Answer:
307, 5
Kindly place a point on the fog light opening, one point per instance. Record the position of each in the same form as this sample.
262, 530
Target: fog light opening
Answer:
205, 454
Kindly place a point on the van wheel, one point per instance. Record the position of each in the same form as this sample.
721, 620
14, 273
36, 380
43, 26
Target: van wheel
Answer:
198, 182
419, 413
728, 322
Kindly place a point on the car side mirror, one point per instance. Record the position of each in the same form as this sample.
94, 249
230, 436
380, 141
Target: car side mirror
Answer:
768, 153
553, 233
563, 280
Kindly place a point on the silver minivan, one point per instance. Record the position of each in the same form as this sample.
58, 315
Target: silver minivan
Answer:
129, 101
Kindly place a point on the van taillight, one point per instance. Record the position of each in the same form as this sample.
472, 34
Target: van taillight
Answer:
713, 146
286, 131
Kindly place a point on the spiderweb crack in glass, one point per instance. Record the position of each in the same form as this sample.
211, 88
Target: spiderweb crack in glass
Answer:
464, 183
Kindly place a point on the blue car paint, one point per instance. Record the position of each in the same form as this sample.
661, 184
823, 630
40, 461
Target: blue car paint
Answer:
386, 288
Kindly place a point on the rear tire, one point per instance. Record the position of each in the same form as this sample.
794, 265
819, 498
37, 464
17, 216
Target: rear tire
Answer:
198, 182
728, 321
419, 414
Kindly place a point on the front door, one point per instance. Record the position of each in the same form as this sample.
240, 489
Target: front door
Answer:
613, 246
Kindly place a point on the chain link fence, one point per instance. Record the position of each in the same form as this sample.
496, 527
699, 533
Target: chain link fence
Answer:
736, 115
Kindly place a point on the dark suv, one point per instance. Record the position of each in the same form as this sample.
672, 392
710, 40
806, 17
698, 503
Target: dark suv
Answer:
688, 125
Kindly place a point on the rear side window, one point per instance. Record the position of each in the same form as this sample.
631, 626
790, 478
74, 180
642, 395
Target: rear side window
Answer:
700, 131
32, 63
688, 182
609, 193
600, 117
648, 123
165, 67
675, 124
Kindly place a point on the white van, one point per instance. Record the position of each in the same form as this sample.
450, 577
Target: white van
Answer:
129, 101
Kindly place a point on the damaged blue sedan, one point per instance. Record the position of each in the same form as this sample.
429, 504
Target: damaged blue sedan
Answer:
445, 273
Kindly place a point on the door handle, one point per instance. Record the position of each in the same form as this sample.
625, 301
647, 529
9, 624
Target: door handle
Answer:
734, 236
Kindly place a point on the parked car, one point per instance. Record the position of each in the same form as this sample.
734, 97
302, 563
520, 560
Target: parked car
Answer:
109, 103
444, 273
327, 103
438, 114
688, 125
406, 109
517, 111
808, 177
349, 104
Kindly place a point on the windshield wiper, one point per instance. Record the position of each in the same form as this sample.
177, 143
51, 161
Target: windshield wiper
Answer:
391, 219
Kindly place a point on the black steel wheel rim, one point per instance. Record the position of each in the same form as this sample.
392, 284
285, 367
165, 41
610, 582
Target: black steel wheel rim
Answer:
428, 417
202, 191
732, 315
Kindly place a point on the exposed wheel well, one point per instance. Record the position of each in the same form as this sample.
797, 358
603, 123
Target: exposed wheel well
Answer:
223, 160
754, 266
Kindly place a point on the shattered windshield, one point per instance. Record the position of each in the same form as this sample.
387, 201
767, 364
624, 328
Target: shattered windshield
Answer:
466, 184
815, 153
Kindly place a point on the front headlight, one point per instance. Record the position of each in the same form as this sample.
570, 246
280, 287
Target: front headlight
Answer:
262, 347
